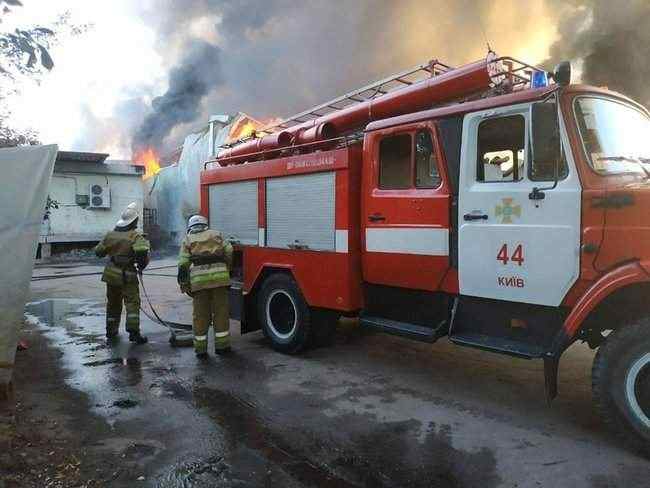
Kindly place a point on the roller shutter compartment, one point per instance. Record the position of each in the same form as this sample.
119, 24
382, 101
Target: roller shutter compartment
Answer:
233, 211
300, 211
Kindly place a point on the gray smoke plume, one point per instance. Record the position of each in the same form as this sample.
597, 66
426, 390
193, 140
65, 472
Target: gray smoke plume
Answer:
197, 74
272, 58
281, 56
613, 40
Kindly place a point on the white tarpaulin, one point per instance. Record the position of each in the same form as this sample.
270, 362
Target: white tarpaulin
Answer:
25, 174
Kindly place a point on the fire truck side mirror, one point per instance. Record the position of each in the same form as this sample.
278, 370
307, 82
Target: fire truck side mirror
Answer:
546, 146
562, 73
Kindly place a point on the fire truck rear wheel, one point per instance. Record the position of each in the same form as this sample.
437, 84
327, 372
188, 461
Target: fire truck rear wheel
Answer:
284, 314
621, 383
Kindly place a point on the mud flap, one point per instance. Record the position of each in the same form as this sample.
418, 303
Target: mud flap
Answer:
246, 311
550, 377
236, 301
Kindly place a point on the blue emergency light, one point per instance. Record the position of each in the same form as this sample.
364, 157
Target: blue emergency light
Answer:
540, 79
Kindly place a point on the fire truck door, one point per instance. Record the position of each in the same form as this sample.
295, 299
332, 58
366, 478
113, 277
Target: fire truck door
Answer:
405, 210
512, 247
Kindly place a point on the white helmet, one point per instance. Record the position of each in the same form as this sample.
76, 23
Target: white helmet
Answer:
129, 215
196, 220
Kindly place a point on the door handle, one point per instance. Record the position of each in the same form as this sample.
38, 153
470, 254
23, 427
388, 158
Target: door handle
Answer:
376, 217
473, 216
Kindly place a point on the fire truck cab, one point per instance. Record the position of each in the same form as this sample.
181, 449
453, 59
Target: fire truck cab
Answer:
513, 220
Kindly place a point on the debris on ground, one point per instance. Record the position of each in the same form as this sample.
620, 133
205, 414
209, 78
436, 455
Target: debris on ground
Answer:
125, 403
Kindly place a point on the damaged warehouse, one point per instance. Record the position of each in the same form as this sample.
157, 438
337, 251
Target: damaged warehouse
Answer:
434, 279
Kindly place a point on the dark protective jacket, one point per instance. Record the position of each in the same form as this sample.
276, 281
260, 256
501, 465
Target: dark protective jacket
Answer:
126, 248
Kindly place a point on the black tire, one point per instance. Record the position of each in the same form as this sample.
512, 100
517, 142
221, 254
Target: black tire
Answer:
621, 384
284, 314
323, 326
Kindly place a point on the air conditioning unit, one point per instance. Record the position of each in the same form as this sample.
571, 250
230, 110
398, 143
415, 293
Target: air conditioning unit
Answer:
100, 196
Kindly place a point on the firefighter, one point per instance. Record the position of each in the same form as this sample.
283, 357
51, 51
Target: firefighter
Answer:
203, 272
127, 249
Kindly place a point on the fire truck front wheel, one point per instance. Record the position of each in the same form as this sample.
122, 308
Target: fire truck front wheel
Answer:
621, 383
284, 314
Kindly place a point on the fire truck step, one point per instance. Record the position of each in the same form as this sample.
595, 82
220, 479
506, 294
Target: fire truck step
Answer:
498, 344
405, 329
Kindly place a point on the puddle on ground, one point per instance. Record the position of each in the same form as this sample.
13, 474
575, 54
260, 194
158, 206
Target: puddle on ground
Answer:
211, 437
107, 373
125, 403
208, 473
131, 362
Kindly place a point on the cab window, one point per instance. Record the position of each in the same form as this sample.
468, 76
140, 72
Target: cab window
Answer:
501, 149
426, 164
395, 162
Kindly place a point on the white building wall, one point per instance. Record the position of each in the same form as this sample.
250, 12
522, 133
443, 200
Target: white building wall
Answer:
73, 223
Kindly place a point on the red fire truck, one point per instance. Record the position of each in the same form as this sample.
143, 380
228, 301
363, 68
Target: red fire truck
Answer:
493, 203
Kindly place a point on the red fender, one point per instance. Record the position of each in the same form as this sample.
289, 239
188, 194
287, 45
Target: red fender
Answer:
252, 275
606, 285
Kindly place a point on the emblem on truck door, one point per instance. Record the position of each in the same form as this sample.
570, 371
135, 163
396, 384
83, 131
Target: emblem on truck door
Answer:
507, 211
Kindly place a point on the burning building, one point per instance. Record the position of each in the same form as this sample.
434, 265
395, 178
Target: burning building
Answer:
170, 191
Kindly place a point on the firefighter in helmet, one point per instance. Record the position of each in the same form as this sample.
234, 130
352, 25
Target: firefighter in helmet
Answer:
127, 249
203, 272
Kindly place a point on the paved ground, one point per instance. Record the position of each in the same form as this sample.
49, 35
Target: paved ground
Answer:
371, 410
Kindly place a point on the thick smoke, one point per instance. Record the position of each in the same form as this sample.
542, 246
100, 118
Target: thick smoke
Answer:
273, 58
281, 56
197, 74
613, 40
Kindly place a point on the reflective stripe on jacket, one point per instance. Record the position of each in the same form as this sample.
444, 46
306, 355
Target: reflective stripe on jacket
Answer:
215, 255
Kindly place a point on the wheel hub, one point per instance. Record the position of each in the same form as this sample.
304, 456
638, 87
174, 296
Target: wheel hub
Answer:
638, 388
281, 314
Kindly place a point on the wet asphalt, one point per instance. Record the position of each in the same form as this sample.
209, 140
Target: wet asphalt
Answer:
370, 410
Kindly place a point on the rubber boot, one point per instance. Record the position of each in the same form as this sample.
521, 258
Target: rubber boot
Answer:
137, 338
223, 351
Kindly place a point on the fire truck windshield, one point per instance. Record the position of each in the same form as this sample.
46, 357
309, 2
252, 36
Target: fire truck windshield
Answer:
616, 136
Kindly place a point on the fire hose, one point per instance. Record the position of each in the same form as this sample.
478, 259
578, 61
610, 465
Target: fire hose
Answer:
175, 339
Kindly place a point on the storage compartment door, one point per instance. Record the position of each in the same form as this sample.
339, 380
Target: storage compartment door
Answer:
300, 212
233, 211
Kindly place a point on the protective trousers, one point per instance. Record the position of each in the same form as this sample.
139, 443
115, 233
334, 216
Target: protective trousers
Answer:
130, 295
211, 308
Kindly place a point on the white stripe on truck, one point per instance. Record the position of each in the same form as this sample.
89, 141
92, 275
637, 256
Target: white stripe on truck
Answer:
401, 240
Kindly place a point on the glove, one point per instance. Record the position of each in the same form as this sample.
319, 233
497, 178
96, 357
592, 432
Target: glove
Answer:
141, 260
187, 289
183, 276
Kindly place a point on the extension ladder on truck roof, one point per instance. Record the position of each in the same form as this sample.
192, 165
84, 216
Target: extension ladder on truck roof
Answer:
517, 75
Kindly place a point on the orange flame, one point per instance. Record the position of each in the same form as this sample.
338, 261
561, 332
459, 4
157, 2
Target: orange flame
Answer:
244, 128
247, 127
149, 159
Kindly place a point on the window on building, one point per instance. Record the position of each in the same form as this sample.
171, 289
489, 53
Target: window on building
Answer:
395, 162
501, 149
426, 164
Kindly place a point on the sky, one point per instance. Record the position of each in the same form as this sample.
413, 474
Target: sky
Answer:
270, 58
96, 71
